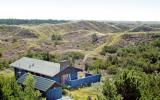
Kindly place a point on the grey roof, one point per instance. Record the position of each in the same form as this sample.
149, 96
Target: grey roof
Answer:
41, 83
37, 66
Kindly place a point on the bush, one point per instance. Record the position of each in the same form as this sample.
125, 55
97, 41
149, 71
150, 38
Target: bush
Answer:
94, 38
56, 37
43, 56
113, 59
99, 64
4, 63
109, 91
112, 69
0, 54
156, 43
75, 55
109, 49
127, 83
132, 85
144, 57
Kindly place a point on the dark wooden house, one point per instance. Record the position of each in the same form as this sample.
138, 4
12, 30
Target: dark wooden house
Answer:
50, 76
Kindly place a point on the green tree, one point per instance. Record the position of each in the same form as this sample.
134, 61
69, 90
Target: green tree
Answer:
30, 92
127, 82
109, 91
150, 87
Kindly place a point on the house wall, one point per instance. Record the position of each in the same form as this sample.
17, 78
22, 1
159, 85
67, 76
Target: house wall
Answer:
19, 72
73, 75
87, 74
57, 79
54, 94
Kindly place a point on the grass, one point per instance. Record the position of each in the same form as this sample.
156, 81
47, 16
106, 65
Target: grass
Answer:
7, 73
114, 38
83, 93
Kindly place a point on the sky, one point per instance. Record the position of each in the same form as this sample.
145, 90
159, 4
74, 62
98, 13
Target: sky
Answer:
114, 10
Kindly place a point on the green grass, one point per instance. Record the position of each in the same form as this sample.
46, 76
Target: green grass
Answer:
83, 93
7, 73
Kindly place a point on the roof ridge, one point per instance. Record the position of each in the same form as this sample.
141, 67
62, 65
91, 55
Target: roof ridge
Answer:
39, 60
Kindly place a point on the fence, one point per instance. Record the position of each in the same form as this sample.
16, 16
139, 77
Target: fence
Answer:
84, 81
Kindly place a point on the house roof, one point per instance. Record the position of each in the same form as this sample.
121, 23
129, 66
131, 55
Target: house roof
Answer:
41, 83
37, 66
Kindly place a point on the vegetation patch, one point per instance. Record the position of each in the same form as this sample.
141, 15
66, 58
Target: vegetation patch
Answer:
108, 49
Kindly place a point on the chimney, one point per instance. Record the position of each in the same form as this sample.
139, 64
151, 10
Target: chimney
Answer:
64, 64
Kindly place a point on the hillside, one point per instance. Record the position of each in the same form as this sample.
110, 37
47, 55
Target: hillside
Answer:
126, 54
16, 40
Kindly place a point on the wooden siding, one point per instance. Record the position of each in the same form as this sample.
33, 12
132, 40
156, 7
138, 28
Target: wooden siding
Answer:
54, 94
73, 75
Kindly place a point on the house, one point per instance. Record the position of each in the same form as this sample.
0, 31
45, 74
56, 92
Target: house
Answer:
50, 77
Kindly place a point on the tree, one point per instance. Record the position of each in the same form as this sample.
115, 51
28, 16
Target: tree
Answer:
150, 87
30, 92
109, 91
127, 83
11, 90
46, 56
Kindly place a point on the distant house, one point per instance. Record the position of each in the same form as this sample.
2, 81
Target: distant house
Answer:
50, 77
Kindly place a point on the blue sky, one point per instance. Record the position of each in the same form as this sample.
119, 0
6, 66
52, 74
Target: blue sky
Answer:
118, 10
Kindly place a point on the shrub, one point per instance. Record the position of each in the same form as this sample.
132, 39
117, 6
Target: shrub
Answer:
56, 37
4, 63
14, 40
75, 55
113, 59
156, 43
127, 83
43, 56
109, 91
109, 49
94, 38
0, 54
1, 66
99, 64
112, 69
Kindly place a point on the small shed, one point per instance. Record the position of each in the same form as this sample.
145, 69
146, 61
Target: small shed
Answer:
50, 88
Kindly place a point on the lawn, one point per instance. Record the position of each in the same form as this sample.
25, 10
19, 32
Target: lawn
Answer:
83, 93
